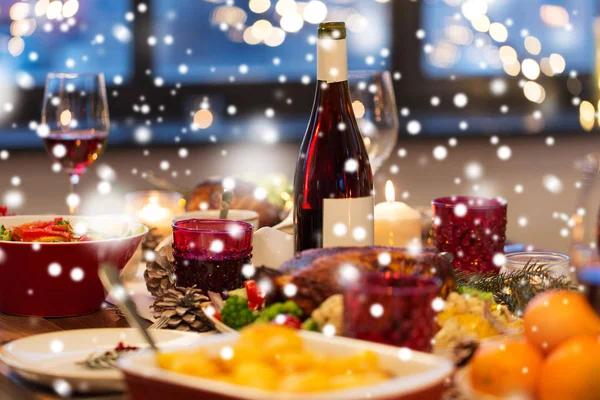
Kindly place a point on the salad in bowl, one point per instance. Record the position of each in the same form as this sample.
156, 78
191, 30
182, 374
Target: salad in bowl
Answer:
49, 264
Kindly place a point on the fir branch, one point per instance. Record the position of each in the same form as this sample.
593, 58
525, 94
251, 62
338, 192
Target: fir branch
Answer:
517, 288
108, 359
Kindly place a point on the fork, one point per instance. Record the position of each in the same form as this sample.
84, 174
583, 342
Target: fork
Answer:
159, 323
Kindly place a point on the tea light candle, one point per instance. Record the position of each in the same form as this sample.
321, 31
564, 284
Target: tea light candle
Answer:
396, 224
154, 215
155, 209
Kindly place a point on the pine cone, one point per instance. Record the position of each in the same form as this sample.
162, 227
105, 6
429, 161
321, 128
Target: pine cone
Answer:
152, 240
183, 308
159, 274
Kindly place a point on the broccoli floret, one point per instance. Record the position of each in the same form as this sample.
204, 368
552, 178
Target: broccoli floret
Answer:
289, 307
5, 234
310, 325
236, 314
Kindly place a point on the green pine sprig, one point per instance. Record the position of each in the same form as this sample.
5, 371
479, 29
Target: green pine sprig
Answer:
106, 360
515, 289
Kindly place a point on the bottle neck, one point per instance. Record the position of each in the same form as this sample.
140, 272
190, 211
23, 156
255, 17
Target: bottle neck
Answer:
332, 60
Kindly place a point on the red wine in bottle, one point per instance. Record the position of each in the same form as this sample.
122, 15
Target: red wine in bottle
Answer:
333, 185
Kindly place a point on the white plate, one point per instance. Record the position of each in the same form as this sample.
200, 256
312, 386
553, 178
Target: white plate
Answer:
51, 359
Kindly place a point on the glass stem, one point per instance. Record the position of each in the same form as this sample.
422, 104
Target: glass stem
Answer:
73, 198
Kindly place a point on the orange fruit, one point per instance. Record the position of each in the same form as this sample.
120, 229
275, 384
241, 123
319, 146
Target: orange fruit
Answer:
556, 316
506, 368
572, 371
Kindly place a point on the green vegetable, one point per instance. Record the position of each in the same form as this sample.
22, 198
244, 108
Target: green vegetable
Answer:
5, 234
240, 293
67, 223
236, 314
310, 325
485, 296
269, 313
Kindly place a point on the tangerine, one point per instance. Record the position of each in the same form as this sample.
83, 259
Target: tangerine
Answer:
506, 368
556, 316
572, 371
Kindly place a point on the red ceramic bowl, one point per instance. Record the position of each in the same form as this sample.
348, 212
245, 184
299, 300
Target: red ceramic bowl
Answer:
61, 279
419, 376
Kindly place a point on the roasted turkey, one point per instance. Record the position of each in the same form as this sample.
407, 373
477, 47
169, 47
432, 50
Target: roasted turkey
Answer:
210, 191
321, 273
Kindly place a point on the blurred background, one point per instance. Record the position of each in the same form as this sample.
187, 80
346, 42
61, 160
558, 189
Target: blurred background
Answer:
492, 97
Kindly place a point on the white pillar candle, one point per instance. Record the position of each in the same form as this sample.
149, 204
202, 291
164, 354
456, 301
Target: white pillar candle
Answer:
396, 224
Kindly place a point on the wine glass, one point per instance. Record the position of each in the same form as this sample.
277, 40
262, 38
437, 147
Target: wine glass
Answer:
585, 223
75, 123
374, 104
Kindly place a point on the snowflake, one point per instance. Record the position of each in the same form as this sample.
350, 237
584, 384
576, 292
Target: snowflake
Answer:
77, 274
216, 246
460, 210
376, 310
440, 153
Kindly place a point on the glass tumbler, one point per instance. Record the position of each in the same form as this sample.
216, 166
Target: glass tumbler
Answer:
391, 308
472, 229
557, 263
210, 253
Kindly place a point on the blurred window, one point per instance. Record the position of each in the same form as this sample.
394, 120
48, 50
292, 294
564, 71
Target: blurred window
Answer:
79, 36
465, 37
200, 41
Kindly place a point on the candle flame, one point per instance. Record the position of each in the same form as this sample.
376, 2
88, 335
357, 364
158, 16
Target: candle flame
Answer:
390, 195
154, 214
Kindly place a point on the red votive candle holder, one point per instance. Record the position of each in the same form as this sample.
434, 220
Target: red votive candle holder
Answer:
472, 229
210, 253
391, 308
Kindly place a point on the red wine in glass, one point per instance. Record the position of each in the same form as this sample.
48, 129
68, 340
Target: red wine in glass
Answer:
76, 122
76, 150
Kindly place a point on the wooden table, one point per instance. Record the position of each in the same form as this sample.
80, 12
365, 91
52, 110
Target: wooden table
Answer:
11, 328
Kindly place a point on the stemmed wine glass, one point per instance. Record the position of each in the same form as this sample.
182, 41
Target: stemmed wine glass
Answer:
374, 104
75, 123
585, 223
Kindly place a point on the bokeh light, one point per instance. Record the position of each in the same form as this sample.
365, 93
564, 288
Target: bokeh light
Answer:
203, 119
534, 92
530, 68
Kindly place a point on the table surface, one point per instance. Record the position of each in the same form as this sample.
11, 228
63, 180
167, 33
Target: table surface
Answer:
12, 327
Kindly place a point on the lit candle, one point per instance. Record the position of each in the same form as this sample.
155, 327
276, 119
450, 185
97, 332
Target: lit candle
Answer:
156, 216
155, 209
396, 224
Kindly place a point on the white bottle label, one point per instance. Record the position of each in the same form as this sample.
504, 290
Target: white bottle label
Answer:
332, 60
348, 222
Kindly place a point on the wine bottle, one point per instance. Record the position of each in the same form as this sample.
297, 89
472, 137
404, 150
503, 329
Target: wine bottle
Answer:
333, 184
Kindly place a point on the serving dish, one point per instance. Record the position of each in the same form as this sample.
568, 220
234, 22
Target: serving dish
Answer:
51, 359
61, 279
420, 375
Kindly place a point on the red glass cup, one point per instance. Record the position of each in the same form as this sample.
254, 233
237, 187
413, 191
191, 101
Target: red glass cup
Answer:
472, 229
210, 253
391, 308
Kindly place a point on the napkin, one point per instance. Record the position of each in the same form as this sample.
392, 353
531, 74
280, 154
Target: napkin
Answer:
271, 247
